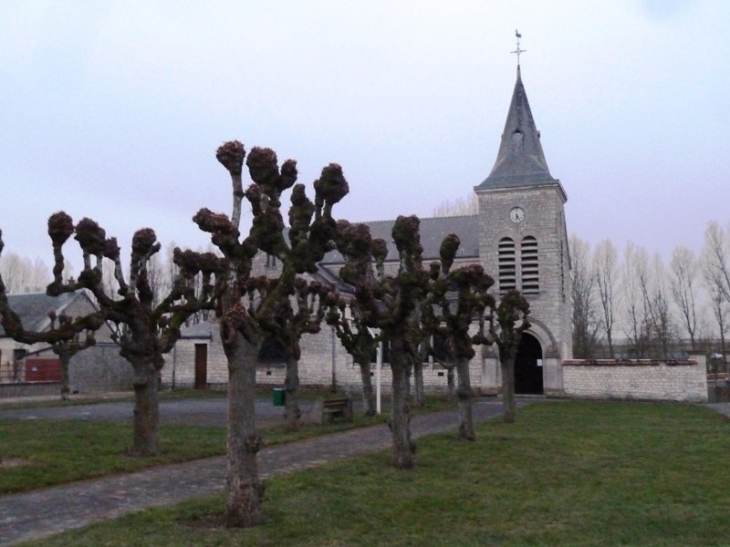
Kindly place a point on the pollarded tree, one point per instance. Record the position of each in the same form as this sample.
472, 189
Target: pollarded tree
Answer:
252, 307
506, 324
346, 316
63, 336
389, 303
460, 296
290, 323
66, 349
144, 332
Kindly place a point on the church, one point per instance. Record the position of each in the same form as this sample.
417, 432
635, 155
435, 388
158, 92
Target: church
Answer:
520, 238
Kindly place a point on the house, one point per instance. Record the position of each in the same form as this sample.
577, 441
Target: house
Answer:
34, 369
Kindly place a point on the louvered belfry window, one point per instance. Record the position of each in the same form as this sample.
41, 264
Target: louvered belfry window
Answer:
530, 269
507, 265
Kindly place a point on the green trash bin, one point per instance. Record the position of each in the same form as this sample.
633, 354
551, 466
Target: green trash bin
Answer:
278, 396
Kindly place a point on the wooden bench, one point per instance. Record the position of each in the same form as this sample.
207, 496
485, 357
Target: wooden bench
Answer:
327, 409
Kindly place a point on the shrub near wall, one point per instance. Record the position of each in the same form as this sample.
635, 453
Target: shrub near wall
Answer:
682, 380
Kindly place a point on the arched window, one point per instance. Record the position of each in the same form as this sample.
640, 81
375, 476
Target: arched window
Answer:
507, 265
530, 270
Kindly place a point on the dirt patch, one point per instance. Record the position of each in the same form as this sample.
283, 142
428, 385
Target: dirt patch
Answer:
6, 463
209, 522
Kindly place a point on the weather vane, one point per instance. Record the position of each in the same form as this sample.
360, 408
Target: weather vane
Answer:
518, 50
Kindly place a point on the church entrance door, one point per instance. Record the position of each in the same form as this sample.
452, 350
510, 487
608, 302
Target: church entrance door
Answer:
528, 366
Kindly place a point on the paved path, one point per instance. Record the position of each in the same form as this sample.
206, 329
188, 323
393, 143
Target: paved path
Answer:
44, 512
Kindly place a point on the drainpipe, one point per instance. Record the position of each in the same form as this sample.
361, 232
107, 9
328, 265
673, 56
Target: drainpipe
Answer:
378, 369
334, 372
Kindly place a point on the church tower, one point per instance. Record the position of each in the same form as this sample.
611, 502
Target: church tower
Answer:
523, 244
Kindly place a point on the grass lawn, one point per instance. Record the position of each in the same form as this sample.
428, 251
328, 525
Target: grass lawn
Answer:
40, 453
566, 474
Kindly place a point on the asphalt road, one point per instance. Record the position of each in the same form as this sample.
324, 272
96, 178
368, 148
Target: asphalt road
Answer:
206, 412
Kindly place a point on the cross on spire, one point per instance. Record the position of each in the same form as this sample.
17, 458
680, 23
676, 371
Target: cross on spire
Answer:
518, 50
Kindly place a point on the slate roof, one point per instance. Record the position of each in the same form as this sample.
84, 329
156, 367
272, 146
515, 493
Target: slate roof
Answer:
520, 160
433, 231
33, 308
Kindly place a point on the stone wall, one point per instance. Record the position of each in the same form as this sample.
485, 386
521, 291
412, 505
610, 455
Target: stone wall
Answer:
315, 366
640, 379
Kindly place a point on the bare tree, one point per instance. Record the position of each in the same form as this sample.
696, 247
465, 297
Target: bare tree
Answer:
250, 307
145, 333
715, 266
506, 324
65, 349
458, 207
22, 275
389, 303
716, 257
605, 266
661, 324
350, 317
585, 317
684, 268
635, 277
460, 296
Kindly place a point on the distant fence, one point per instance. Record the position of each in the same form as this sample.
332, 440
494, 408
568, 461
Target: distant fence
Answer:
11, 371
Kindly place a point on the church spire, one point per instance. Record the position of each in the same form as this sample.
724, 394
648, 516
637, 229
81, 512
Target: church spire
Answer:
520, 160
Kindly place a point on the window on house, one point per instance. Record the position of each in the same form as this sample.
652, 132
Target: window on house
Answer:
386, 353
272, 351
507, 265
270, 261
530, 270
440, 344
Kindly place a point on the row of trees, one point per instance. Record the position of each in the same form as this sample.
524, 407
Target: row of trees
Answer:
404, 310
637, 306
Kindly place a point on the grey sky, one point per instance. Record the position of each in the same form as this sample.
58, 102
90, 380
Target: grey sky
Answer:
113, 110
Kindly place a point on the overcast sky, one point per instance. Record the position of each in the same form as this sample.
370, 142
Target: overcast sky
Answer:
113, 110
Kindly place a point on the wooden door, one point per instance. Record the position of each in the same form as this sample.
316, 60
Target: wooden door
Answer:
201, 366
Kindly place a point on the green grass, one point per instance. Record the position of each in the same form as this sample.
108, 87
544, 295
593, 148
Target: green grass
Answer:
54, 452
566, 474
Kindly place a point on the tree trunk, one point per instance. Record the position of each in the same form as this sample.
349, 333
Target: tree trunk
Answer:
418, 382
244, 489
403, 448
465, 395
450, 383
507, 364
146, 410
291, 388
65, 379
368, 395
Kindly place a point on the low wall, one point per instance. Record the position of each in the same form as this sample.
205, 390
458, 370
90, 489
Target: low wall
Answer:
29, 389
636, 379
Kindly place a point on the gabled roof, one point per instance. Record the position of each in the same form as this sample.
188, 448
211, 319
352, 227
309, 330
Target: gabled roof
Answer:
433, 231
33, 308
520, 160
